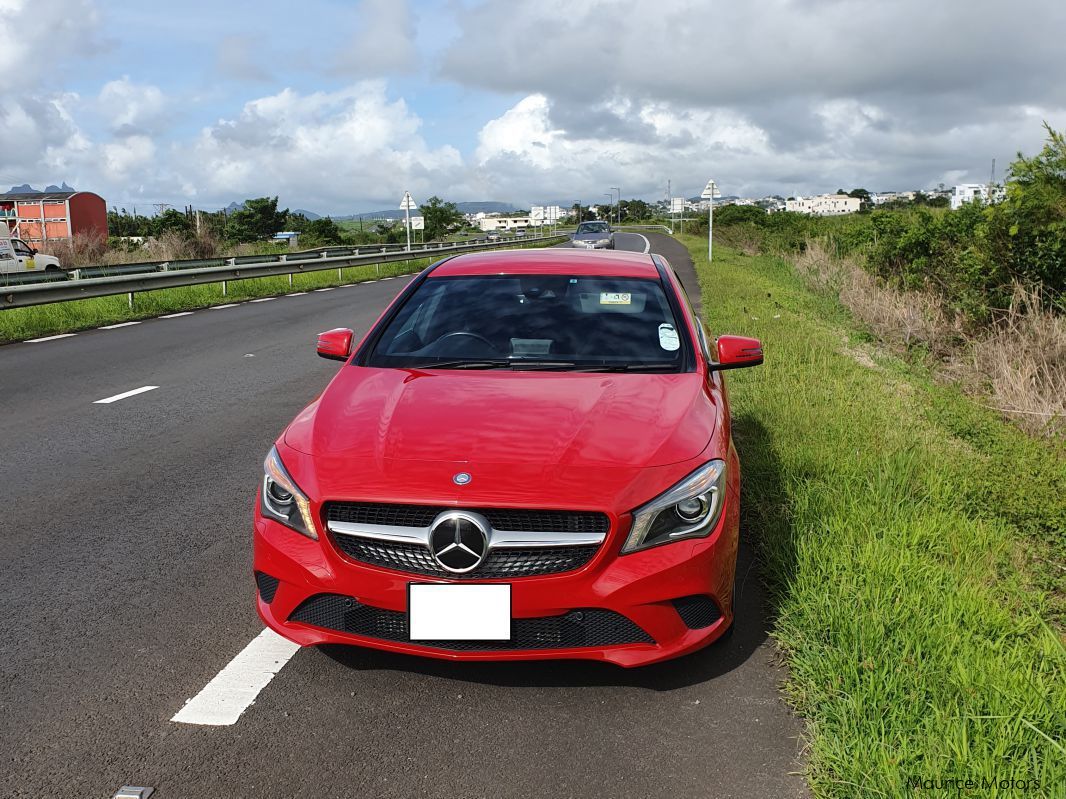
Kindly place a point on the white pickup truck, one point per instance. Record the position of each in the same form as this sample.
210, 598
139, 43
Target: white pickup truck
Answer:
18, 256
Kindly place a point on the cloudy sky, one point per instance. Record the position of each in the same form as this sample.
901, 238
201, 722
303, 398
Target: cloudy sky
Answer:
340, 106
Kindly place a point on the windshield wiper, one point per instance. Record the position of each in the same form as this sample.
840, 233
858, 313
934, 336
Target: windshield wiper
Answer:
470, 364
500, 363
630, 367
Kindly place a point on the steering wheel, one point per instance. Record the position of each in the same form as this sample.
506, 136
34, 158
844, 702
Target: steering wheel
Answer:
468, 334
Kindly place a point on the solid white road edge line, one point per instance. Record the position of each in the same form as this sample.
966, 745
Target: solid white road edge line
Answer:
124, 394
176, 315
233, 689
49, 338
647, 244
120, 324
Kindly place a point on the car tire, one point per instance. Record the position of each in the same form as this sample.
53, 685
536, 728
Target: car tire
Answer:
52, 268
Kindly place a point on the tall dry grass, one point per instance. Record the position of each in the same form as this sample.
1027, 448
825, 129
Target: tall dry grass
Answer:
91, 249
1018, 362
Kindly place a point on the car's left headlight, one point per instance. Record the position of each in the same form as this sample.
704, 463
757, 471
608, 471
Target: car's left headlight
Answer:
690, 509
282, 500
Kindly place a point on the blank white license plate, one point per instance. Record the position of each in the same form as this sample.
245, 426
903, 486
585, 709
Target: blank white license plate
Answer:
459, 612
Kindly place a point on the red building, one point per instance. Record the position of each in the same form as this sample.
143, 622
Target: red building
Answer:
42, 216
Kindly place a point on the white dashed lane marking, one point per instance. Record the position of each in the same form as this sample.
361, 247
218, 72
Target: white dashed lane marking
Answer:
264, 299
329, 289
176, 315
49, 338
124, 394
220, 307
233, 689
120, 324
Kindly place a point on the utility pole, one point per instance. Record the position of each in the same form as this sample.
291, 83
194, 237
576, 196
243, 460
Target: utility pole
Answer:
615, 188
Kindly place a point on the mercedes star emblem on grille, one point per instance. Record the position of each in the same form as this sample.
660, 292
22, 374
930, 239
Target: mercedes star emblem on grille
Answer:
459, 540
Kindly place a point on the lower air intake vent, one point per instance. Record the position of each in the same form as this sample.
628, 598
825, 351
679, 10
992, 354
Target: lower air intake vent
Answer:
697, 611
574, 630
267, 585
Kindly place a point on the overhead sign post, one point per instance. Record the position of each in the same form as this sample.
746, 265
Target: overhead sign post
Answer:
406, 204
709, 194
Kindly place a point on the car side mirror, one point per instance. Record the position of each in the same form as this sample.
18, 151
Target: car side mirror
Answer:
33, 251
335, 344
736, 352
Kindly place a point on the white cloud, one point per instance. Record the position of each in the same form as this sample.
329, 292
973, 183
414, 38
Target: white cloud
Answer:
384, 43
339, 148
37, 36
129, 108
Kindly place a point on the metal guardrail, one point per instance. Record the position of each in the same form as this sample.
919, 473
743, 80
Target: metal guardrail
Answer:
130, 278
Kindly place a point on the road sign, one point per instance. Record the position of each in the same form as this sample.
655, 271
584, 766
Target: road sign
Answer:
677, 205
711, 192
407, 203
418, 223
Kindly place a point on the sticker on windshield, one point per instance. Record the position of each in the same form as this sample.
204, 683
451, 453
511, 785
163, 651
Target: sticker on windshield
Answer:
668, 339
616, 298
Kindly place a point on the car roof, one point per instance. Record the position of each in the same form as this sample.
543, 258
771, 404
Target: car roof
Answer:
550, 261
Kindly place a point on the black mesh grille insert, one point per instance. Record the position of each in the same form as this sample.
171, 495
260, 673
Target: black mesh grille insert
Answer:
574, 630
697, 611
267, 586
500, 563
510, 519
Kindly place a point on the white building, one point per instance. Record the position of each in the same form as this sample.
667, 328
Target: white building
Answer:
497, 223
824, 205
968, 192
882, 197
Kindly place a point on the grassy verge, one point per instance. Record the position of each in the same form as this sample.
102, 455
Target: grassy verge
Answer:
18, 324
914, 547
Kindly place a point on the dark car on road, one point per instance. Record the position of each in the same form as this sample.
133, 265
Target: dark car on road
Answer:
593, 236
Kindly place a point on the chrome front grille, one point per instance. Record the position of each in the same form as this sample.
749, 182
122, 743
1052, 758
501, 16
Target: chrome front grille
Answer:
521, 543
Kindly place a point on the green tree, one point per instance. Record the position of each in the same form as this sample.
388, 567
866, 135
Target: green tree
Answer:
259, 220
441, 218
321, 232
171, 220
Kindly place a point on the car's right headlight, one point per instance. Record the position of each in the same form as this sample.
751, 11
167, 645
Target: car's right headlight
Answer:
690, 509
282, 500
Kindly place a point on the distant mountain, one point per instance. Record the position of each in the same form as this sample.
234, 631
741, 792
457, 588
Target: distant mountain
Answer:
26, 187
311, 215
465, 208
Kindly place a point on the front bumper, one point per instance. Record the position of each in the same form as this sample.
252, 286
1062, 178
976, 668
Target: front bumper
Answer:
592, 245
629, 610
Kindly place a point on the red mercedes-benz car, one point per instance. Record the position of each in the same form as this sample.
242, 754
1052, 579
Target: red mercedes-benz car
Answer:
528, 456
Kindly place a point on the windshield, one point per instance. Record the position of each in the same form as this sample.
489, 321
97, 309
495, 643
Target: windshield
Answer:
593, 227
534, 322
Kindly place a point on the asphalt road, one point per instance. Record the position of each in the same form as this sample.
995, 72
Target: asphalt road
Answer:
125, 587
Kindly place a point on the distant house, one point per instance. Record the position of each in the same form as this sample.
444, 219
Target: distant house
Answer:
824, 205
968, 192
38, 217
490, 224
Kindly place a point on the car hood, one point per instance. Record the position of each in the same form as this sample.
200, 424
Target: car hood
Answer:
370, 417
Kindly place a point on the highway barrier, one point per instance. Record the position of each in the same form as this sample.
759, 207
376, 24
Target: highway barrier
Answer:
100, 281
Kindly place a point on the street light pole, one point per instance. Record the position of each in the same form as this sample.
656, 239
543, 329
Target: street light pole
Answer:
611, 195
615, 188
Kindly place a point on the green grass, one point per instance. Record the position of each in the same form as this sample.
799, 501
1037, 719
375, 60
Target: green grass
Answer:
913, 544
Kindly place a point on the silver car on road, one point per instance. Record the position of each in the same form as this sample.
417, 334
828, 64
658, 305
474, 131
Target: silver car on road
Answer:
593, 236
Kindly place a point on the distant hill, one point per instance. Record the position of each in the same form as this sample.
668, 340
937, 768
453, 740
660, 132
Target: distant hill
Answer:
465, 208
26, 187
311, 215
